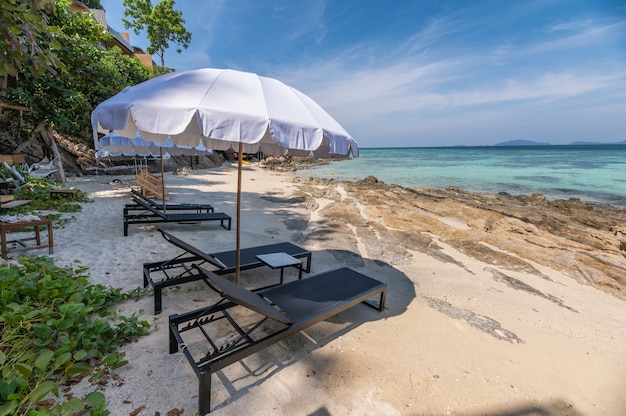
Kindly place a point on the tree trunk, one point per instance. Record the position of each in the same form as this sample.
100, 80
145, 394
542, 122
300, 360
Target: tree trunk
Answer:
48, 138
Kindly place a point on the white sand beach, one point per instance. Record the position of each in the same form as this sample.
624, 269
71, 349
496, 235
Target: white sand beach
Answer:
452, 341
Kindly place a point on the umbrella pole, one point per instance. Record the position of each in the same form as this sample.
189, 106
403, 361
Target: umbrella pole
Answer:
238, 216
162, 181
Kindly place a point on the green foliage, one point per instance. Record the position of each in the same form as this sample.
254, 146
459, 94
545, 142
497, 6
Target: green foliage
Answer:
23, 24
5, 173
56, 327
163, 24
37, 190
92, 75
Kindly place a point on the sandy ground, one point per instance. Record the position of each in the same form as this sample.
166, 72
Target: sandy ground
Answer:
412, 359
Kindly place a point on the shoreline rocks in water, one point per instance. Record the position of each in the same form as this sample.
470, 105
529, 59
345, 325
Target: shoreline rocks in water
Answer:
291, 163
583, 240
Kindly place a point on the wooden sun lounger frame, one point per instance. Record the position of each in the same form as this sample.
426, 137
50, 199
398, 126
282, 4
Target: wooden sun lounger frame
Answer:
296, 305
152, 212
179, 270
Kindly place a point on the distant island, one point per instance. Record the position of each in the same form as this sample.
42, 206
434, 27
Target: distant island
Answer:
532, 143
522, 143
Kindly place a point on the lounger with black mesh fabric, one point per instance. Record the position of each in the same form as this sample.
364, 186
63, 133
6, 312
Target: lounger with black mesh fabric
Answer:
179, 270
192, 207
136, 213
158, 216
282, 310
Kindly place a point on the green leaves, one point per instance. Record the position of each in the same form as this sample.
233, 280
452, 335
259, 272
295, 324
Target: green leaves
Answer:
44, 358
163, 24
52, 330
42, 390
23, 23
89, 74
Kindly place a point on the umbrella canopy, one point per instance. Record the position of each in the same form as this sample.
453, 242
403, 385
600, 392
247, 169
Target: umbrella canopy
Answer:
220, 109
114, 143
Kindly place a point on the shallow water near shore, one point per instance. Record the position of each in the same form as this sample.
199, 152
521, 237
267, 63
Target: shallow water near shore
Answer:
593, 173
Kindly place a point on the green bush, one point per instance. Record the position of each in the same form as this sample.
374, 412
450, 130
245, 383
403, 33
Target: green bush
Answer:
37, 190
57, 326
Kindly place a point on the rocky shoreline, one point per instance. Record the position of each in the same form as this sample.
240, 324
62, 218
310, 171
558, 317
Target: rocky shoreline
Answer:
586, 241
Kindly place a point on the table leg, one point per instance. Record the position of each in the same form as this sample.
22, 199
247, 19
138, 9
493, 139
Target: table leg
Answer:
37, 236
3, 231
50, 239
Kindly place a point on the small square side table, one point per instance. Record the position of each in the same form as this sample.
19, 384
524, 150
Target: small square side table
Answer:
280, 261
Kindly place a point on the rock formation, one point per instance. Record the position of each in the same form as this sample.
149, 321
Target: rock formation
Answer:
584, 240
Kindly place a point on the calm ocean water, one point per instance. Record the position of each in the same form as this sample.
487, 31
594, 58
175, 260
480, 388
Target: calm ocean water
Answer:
593, 173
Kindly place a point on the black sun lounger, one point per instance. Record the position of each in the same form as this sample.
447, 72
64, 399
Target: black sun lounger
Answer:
158, 215
179, 270
199, 208
292, 307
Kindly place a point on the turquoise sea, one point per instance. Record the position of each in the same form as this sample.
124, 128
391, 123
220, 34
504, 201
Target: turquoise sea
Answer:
593, 173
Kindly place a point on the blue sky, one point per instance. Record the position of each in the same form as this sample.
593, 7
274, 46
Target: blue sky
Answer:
427, 73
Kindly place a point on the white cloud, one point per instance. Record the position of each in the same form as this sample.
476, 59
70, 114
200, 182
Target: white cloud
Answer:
583, 34
444, 81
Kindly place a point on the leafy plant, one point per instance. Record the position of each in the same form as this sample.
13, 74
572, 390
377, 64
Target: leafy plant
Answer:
38, 191
22, 23
55, 327
89, 74
162, 23
5, 173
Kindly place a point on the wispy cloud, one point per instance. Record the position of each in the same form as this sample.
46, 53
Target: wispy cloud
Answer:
580, 34
485, 70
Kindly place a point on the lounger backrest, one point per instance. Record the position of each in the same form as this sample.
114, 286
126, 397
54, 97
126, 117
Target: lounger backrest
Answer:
192, 250
243, 296
144, 198
149, 207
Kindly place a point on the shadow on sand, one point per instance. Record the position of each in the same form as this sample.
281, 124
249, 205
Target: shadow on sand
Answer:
557, 408
257, 368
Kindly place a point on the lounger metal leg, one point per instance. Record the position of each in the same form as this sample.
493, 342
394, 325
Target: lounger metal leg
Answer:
173, 340
383, 297
158, 299
381, 301
204, 393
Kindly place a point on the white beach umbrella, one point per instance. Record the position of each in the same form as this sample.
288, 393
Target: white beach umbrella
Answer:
220, 109
114, 145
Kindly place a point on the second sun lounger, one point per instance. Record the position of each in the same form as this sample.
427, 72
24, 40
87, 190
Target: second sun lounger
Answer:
289, 308
192, 207
179, 270
158, 215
